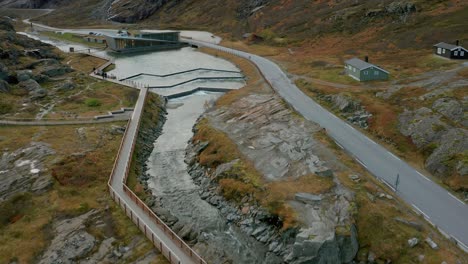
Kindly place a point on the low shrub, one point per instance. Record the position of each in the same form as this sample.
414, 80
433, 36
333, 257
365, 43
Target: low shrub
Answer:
92, 102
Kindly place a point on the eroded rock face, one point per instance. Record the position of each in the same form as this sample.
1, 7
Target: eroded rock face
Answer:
445, 145
443, 161
422, 125
450, 108
71, 241
56, 70
131, 11
35, 89
280, 146
23, 170
349, 108
4, 87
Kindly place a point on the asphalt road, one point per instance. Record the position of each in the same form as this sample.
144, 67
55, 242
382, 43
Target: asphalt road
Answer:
435, 203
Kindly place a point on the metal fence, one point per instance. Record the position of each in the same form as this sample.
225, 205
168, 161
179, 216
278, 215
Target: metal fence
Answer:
137, 219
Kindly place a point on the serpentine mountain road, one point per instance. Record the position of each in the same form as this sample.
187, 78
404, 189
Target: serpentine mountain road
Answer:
437, 205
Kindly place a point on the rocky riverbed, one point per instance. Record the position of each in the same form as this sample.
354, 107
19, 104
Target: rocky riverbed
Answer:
178, 201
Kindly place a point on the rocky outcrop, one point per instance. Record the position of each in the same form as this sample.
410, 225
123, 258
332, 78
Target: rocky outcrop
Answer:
349, 108
71, 241
280, 147
4, 87
450, 154
125, 11
247, 8
55, 70
422, 125
23, 170
33, 3
35, 90
147, 135
74, 242
450, 108
444, 145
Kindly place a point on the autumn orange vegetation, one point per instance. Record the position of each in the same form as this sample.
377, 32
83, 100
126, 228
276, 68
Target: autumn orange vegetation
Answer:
247, 181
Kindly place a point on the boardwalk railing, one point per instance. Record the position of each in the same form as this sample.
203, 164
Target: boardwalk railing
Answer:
152, 236
177, 73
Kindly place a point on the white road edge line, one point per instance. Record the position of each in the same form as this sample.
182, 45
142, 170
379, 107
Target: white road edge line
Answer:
388, 184
339, 145
393, 155
425, 215
456, 198
360, 162
422, 175
461, 244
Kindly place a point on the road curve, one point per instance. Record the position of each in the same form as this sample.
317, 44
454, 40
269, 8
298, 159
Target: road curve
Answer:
437, 205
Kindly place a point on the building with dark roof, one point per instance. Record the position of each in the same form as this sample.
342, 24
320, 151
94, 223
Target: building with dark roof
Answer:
451, 51
364, 71
145, 41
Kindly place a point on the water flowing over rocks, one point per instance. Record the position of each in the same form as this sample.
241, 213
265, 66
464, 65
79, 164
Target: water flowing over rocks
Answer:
178, 201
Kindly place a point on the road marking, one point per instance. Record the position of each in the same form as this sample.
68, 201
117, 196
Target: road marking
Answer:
393, 155
349, 125
422, 175
371, 141
456, 198
461, 244
339, 145
421, 212
443, 233
360, 162
388, 184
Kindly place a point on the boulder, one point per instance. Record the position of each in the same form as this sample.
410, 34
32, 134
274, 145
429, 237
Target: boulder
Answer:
23, 75
308, 198
413, 224
67, 85
450, 108
412, 242
344, 103
431, 243
3, 71
223, 170
5, 25
40, 78
38, 94
423, 126
443, 160
30, 85
35, 89
56, 70
71, 241
117, 130
22, 170
4, 87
